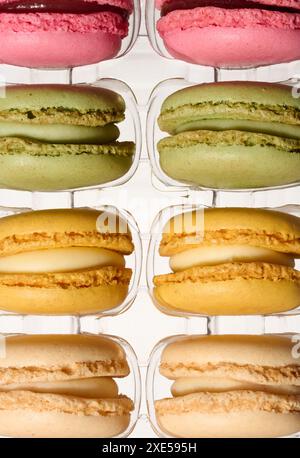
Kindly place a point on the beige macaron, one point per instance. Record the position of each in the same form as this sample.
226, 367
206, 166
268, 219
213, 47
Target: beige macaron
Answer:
66, 261
62, 386
231, 386
230, 261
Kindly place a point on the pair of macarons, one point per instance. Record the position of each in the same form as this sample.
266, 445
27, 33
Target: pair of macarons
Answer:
230, 261
231, 33
62, 34
55, 137
63, 386
66, 261
232, 135
230, 386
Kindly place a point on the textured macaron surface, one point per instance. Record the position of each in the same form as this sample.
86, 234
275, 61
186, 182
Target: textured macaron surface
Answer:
61, 228
257, 227
230, 100
218, 17
60, 357
79, 105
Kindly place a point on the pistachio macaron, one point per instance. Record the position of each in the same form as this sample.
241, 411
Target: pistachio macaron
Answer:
55, 137
231, 135
66, 261
230, 261
234, 386
62, 386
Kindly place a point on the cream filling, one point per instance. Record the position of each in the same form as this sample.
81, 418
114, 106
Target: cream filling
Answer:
60, 260
219, 254
184, 386
96, 387
60, 133
263, 127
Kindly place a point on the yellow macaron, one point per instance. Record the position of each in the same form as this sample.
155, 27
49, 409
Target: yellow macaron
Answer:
230, 261
62, 386
66, 261
231, 386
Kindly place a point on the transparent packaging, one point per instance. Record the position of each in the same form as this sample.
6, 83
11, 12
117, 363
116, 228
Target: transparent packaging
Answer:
158, 265
158, 386
130, 130
162, 181
109, 47
152, 15
129, 385
133, 261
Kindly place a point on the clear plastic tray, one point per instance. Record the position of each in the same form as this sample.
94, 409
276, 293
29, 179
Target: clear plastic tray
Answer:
158, 387
129, 386
153, 135
133, 261
158, 265
130, 129
152, 15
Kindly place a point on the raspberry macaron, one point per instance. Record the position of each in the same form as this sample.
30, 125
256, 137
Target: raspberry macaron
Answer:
64, 34
231, 33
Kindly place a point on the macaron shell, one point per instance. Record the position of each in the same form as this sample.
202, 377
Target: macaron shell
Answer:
82, 292
234, 297
247, 226
65, 49
47, 167
188, 356
228, 166
221, 34
226, 94
221, 47
22, 423
47, 356
229, 425
36, 230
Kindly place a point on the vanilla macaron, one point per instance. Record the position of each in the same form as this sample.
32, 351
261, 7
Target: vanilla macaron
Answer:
230, 261
231, 386
66, 261
62, 386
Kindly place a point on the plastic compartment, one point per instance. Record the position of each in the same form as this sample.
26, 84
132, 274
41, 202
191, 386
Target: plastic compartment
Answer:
161, 180
158, 386
158, 265
127, 43
152, 15
130, 385
130, 130
133, 261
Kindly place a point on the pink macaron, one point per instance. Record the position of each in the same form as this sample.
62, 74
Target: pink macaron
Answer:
231, 33
62, 33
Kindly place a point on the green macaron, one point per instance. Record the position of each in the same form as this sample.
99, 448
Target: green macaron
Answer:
55, 137
232, 135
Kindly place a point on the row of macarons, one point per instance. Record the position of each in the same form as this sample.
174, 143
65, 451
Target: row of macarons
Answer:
218, 33
197, 386
200, 262
229, 135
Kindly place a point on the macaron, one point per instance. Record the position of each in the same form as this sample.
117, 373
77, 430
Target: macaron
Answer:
55, 137
231, 135
230, 261
62, 386
231, 33
233, 386
64, 34
66, 261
